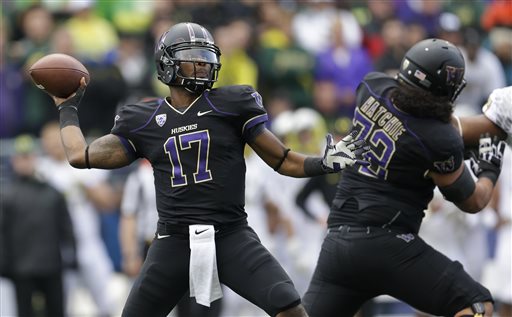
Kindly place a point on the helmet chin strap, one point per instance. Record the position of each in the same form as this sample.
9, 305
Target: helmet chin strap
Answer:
189, 85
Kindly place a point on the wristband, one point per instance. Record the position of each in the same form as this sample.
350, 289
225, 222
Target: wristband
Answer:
313, 167
490, 175
68, 115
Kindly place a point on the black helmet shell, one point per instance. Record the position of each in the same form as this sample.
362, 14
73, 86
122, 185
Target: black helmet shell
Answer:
434, 65
186, 42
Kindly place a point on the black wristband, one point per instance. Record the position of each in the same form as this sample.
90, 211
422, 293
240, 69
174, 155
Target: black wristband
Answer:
490, 175
68, 116
313, 166
461, 189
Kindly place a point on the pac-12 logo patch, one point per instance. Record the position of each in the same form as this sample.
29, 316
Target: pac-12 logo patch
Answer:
160, 119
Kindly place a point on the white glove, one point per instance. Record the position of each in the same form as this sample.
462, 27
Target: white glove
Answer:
489, 161
346, 152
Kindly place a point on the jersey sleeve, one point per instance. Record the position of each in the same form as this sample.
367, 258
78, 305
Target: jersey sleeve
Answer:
124, 121
242, 102
447, 154
498, 108
128, 119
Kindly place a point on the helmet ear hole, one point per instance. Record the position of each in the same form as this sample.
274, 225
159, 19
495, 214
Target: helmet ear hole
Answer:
165, 73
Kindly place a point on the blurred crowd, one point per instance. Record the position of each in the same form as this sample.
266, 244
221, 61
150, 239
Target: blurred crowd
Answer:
306, 59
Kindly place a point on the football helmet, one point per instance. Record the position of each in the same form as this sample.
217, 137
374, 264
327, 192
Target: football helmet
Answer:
187, 43
434, 65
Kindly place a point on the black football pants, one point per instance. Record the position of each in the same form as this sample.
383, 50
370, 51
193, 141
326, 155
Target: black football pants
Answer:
359, 264
243, 263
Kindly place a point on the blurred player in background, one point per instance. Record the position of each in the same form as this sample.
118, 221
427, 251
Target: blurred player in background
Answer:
87, 193
138, 217
195, 142
372, 247
37, 236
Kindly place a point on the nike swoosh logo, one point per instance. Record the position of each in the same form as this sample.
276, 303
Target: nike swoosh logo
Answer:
199, 232
199, 113
158, 236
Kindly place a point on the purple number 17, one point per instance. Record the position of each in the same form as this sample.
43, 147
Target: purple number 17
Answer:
174, 145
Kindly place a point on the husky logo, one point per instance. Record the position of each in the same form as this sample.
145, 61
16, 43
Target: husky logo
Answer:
445, 166
160, 119
257, 98
454, 75
406, 237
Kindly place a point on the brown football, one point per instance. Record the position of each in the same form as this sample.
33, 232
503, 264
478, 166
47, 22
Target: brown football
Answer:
58, 74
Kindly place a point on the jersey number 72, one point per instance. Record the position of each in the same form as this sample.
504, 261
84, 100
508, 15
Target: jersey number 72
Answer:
382, 146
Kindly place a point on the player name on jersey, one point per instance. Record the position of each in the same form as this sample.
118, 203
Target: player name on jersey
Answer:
385, 119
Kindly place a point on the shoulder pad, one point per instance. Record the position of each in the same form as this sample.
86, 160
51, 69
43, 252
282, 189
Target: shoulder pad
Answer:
131, 117
378, 83
234, 99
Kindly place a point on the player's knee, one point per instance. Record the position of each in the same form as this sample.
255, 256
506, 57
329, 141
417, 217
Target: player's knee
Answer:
282, 297
478, 309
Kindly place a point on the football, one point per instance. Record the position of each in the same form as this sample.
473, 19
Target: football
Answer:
58, 74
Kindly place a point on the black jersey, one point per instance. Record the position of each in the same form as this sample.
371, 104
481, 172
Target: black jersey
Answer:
197, 153
394, 188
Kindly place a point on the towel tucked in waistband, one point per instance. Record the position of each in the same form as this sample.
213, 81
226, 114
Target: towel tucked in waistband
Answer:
203, 276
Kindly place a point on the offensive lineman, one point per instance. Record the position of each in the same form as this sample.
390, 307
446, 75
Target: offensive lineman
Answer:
372, 247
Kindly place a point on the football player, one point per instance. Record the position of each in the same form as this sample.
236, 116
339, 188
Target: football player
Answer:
495, 120
372, 246
194, 139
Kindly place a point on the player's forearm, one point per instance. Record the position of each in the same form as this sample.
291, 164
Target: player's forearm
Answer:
74, 145
480, 198
293, 165
473, 127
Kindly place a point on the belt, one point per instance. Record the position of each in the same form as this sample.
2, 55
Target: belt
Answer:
365, 229
182, 229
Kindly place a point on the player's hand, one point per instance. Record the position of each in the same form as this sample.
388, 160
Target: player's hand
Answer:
346, 152
490, 158
73, 100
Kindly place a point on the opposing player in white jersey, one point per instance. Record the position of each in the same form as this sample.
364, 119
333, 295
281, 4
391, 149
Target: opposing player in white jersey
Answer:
496, 118
85, 191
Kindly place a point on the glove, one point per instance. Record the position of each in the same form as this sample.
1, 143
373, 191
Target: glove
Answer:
346, 152
73, 101
490, 158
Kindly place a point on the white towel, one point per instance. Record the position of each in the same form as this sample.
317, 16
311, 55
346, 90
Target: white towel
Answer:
203, 277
